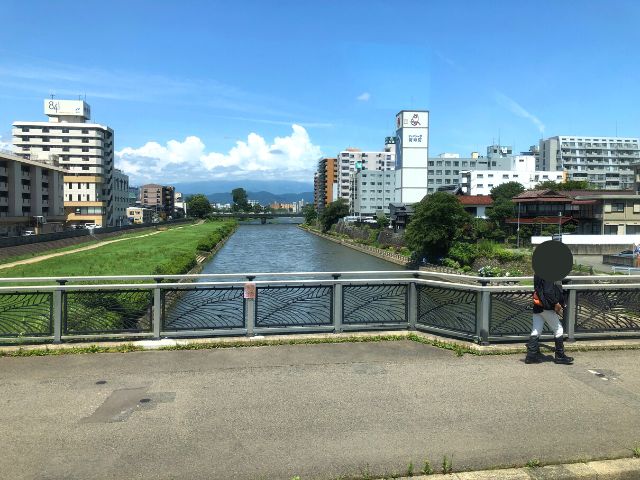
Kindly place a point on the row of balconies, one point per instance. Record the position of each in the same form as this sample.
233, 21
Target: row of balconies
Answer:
44, 141
56, 131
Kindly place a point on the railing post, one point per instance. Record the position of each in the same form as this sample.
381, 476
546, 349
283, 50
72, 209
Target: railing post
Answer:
57, 316
157, 311
413, 306
483, 320
337, 304
572, 312
250, 295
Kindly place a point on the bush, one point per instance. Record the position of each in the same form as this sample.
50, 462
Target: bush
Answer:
176, 265
490, 271
451, 263
463, 253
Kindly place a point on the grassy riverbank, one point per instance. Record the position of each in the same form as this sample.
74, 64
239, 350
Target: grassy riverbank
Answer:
171, 251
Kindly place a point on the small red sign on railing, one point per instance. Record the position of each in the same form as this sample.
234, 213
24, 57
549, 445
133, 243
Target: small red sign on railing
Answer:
250, 290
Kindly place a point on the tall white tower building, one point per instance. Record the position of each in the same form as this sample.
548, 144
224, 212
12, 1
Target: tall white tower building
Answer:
85, 149
412, 155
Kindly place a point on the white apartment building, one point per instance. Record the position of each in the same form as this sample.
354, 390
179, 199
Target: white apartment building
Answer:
445, 169
480, 182
605, 162
85, 149
120, 197
352, 160
371, 192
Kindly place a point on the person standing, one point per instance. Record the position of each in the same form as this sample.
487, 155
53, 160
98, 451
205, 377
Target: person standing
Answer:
551, 261
547, 308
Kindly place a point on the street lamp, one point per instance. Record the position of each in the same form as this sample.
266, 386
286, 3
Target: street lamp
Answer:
559, 223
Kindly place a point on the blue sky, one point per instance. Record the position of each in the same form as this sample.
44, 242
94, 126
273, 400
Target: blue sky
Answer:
257, 89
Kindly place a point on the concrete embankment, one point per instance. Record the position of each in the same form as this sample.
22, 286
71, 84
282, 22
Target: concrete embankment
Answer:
373, 251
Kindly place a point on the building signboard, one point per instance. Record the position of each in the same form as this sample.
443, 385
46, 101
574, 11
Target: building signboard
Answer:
77, 108
412, 119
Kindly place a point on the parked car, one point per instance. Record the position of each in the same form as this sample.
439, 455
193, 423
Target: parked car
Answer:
28, 233
626, 253
92, 225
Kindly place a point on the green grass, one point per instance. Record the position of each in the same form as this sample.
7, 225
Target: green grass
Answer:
89, 242
134, 256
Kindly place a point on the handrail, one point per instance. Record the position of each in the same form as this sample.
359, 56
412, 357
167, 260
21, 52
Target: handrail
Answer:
254, 275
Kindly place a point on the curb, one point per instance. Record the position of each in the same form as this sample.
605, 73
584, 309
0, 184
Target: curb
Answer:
622, 469
437, 341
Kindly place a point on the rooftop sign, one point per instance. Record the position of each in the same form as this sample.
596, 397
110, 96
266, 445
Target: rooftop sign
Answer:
76, 108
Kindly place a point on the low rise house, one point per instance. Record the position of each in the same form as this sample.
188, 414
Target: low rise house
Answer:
139, 215
594, 212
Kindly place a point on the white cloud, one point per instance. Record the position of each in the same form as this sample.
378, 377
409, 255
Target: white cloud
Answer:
364, 97
292, 157
517, 109
4, 145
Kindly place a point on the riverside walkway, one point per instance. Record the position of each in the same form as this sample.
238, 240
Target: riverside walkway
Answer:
318, 411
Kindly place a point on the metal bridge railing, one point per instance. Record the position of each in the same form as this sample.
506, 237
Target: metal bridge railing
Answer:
482, 310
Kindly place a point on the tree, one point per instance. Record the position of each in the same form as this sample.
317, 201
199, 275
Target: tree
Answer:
383, 220
333, 212
257, 208
438, 221
198, 205
568, 185
240, 201
503, 206
309, 213
506, 191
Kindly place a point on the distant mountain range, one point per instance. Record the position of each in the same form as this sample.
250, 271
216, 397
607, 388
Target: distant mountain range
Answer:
219, 191
264, 198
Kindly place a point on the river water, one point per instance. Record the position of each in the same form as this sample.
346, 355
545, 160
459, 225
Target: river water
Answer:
281, 247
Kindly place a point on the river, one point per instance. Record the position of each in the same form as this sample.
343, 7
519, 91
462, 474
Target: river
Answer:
282, 247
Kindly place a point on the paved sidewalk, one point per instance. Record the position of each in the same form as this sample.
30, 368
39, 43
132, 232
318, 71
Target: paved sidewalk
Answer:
318, 411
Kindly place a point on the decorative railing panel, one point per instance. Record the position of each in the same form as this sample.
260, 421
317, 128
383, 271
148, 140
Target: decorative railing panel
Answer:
294, 306
607, 311
107, 311
26, 314
512, 313
202, 308
447, 308
374, 304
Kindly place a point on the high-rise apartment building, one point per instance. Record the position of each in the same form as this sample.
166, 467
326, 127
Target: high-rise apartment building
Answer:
325, 183
159, 198
605, 162
84, 149
353, 160
31, 196
120, 197
371, 192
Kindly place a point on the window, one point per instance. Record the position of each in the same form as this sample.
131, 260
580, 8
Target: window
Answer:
65, 149
45, 149
25, 129
85, 168
85, 140
45, 139
65, 140
617, 207
65, 130
84, 130
85, 149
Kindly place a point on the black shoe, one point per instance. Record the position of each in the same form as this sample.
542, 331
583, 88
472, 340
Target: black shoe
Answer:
533, 350
561, 358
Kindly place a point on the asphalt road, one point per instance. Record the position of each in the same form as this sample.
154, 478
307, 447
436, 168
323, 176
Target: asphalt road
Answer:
318, 411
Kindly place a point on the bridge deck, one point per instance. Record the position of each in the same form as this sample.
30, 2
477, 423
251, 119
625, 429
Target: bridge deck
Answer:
318, 411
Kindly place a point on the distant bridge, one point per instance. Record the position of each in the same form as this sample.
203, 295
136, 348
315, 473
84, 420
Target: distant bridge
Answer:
262, 216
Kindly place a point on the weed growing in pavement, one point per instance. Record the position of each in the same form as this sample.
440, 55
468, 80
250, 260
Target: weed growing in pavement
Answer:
533, 463
427, 469
636, 452
447, 464
410, 470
